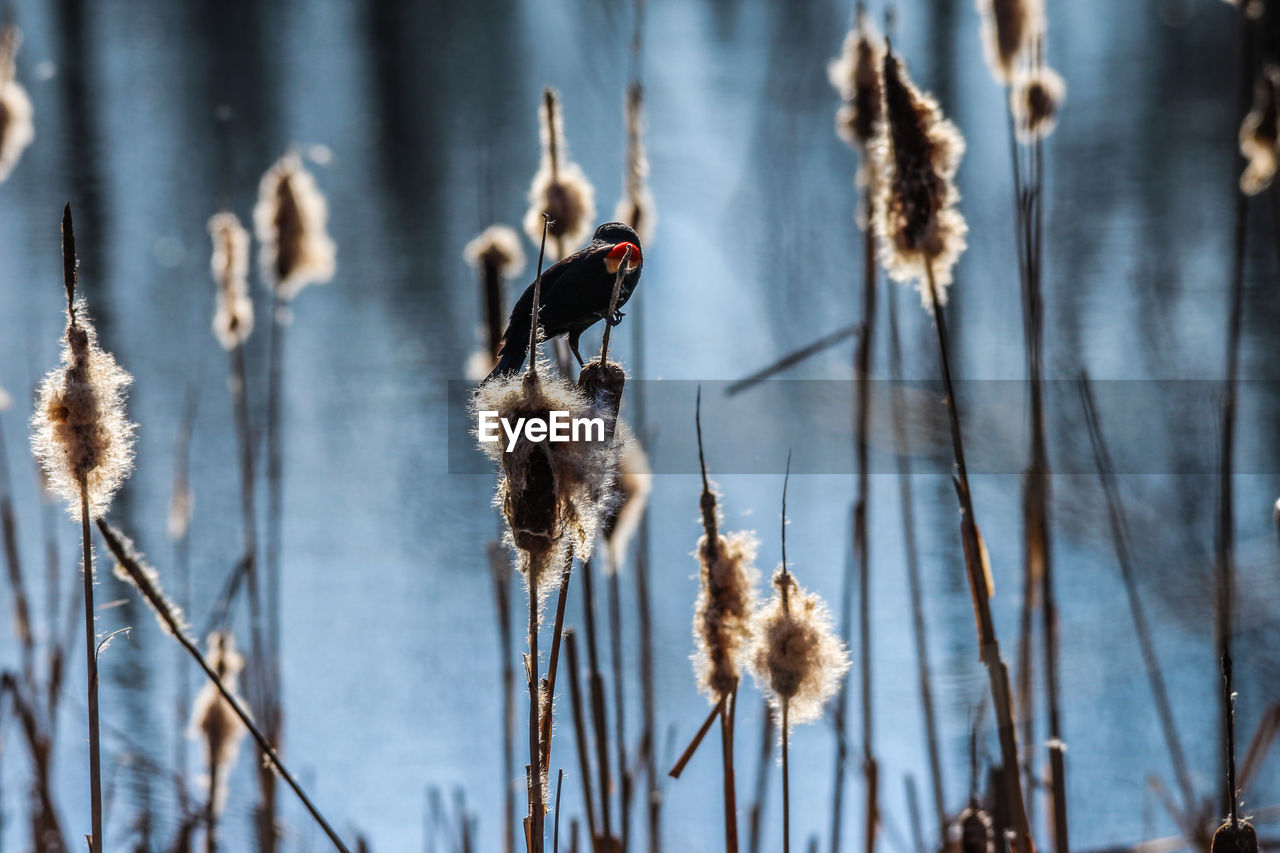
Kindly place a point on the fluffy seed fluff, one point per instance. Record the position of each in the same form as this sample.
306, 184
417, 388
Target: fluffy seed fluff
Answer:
212, 718
917, 152
554, 495
290, 221
637, 208
856, 76
497, 247
233, 316
796, 656
1035, 98
1008, 28
79, 431
16, 128
634, 482
1260, 133
559, 188
723, 611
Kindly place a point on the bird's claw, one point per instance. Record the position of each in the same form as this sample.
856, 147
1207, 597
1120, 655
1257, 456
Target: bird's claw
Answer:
615, 319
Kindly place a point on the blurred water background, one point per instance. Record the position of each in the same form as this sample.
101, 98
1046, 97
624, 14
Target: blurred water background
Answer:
152, 115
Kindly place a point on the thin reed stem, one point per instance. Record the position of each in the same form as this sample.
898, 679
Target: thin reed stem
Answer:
175, 628
762, 780
786, 781
683, 760
91, 661
554, 660
620, 733
728, 710
1229, 716
502, 596
533, 824
580, 732
595, 694
211, 811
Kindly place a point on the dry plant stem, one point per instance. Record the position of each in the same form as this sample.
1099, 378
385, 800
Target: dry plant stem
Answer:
792, 358
1229, 716
645, 619
1120, 539
902, 452
211, 811
533, 823
553, 661
555, 833
91, 661
502, 595
762, 780
595, 693
620, 733
786, 782
989, 646
728, 710
175, 628
9, 534
683, 760
275, 492
580, 731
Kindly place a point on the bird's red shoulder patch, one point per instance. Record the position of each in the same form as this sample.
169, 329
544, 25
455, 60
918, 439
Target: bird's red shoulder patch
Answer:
620, 250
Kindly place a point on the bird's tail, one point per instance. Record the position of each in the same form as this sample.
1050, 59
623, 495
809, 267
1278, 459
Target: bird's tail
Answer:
515, 346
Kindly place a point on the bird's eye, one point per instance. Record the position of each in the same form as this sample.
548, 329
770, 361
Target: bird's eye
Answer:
616, 254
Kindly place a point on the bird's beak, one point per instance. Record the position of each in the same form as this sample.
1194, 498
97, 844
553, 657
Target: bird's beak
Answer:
629, 251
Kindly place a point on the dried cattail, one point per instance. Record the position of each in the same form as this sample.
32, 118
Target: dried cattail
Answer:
856, 76
16, 128
722, 614
498, 248
1009, 27
1235, 837
233, 317
796, 656
917, 225
637, 207
132, 568
1035, 97
212, 718
80, 433
634, 482
1260, 133
977, 834
549, 488
560, 190
290, 221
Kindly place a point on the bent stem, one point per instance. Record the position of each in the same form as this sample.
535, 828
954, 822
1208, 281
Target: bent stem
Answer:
91, 661
177, 630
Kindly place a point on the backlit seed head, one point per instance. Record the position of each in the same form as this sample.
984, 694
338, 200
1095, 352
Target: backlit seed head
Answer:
856, 76
1009, 27
1260, 133
637, 208
722, 614
1239, 837
233, 316
213, 721
16, 128
559, 189
1035, 98
290, 220
497, 247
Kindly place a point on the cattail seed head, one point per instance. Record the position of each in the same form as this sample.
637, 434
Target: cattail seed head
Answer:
1260, 133
233, 316
796, 656
212, 718
1238, 837
132, 568
637, 208
290, 220
548, 489
856, 76
917, 225
1035, 97
723, 611
498, 248
16, 128
977, 833
79, 431
559, 190
1008, 28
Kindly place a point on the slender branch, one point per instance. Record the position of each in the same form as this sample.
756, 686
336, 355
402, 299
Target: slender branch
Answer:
793, 358
580, 731
177, 630
689, 750
91, 659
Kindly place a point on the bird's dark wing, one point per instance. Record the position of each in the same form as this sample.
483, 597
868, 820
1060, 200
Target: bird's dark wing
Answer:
579, 293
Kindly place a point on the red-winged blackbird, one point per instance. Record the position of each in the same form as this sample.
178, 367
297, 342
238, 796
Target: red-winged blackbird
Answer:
575, 294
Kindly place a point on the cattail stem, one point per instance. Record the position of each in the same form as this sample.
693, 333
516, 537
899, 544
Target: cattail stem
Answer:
728, 710
595, 691
275, 490
620, 733
762, 780
786, 781
902, 452
533, 824
175, 628
989, 646
580, 731
13, 563
1229, 716
502, 597
553, 661
613, 304
211, 811
91, 661
683, 760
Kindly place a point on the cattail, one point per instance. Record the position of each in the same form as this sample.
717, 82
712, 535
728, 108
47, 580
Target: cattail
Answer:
16, 128
1236, 836
634, 482
797, 657
560, 190
1008, 28
548, 489
496, 248
977, 834
79, 430
637, 208
919, 230
497, 256
1035, 97
132, 568
290, 221
233, 318
1260, 133
856, 76
722, 614
212, 718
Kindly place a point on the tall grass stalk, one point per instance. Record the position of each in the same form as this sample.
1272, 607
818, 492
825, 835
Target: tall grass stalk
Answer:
502, 598
756, 813
580, 734
141, 579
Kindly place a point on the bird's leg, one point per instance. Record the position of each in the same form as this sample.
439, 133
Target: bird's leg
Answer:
573, 347
615, 319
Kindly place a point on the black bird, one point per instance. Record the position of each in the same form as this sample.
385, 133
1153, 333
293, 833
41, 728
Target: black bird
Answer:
575, 294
